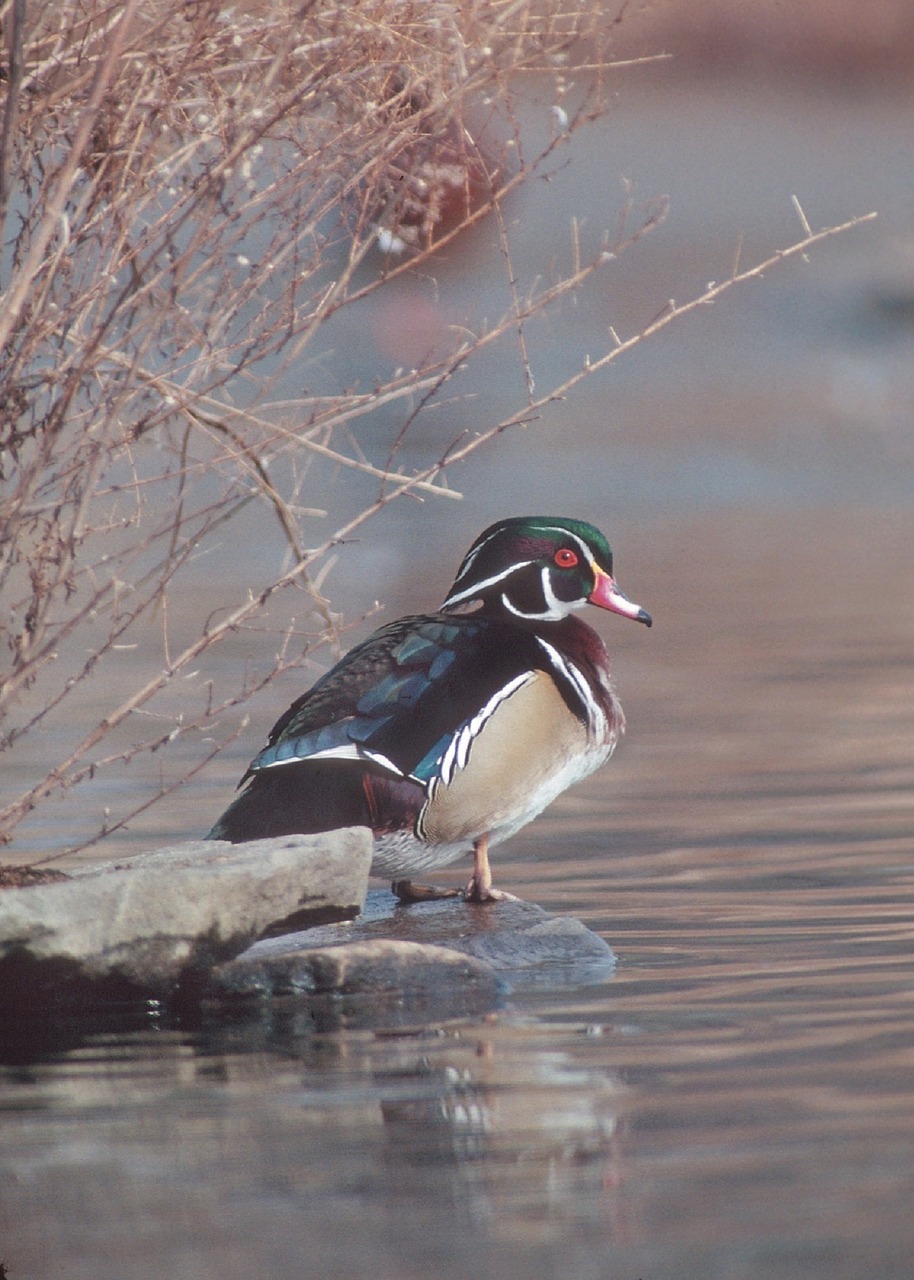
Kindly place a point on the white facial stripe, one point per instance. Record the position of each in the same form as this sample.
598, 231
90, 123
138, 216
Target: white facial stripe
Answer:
586, 550
556, 609
596, 716
477, 587
567, 533
556, 606
471, 556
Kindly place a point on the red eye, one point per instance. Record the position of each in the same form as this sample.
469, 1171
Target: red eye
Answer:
565, 558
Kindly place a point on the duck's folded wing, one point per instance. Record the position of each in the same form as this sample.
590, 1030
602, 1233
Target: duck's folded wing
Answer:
407, 699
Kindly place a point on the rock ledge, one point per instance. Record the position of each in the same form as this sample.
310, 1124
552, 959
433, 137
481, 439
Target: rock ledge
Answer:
145, 926
412, 965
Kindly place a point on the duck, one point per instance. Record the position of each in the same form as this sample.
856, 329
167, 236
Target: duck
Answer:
447, 732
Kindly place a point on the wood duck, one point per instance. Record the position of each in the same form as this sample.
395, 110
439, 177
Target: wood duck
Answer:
447, 732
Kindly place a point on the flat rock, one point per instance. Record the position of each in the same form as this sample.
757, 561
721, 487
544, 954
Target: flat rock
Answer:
147, 925
401, 965
524, 944
379, 980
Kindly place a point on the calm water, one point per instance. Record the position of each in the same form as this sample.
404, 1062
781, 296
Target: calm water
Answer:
738, 1101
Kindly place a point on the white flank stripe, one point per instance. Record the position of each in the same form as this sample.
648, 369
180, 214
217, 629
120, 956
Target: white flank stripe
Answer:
458, 752
383, 762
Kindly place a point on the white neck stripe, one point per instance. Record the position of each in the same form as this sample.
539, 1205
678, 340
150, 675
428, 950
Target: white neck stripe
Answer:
556, 609
549, 616
596, 716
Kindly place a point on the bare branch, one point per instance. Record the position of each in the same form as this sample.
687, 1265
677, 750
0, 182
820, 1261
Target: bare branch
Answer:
199, 202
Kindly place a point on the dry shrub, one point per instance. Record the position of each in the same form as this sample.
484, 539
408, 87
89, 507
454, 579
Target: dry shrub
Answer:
189, 193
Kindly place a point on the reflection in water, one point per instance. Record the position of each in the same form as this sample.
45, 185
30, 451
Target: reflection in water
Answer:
738, 1095
433, 1147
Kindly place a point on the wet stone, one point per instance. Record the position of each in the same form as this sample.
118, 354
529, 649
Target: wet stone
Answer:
525, 945
376, 982
155, 924
447, 958
270, 926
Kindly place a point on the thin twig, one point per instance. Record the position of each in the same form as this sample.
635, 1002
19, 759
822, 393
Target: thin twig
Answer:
49, 226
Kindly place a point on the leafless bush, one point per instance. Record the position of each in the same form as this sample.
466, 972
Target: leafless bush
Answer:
189, 193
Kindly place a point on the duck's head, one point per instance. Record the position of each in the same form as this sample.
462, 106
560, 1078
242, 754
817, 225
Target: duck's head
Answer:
540, 569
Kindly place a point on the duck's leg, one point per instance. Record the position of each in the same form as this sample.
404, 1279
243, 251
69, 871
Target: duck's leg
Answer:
479, 886
406, 891
478, 889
